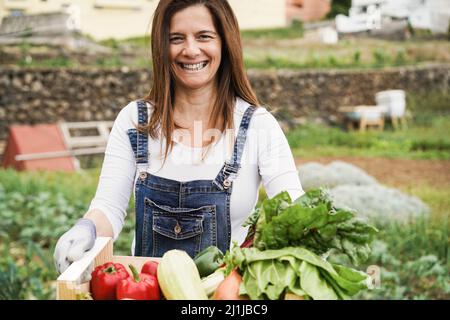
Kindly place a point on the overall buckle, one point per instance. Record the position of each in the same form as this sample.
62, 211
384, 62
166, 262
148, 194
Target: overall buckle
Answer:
230, 173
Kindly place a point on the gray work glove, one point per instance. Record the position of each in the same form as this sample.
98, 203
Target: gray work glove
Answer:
73, 244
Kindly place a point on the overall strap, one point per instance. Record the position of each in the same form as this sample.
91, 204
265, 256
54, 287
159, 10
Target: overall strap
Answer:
139, 140
230, 168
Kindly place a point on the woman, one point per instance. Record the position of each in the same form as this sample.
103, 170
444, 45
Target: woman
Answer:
196, 149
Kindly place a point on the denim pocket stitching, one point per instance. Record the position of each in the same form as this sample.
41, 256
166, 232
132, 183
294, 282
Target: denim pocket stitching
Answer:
209, 209
145, 221
196, 229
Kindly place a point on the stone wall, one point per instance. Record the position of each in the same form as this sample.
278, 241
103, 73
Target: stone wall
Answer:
299, 94
30, 96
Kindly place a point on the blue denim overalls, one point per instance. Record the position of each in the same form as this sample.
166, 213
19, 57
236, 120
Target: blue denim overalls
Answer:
190, 215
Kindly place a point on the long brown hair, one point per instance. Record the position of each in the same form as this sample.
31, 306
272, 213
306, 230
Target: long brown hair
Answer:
231, 81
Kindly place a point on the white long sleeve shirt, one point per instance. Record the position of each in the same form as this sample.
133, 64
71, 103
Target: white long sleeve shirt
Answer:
266, 159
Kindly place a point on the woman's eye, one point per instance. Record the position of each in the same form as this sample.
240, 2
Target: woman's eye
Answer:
176, 39
204, 37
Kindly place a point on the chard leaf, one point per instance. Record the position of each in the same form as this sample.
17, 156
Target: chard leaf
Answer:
302, 254
267, 278
313, 223
296, 289
268, 274
251, 287
350, 274
314, 285
328, 232
264, 214
339, 291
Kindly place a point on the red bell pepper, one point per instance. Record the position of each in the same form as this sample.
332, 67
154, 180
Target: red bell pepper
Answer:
150, 267
138, 287
105, 278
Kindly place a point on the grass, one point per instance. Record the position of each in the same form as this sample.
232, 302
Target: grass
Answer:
74, 185
426, 136
139, 42
360, 53
429, 236
292, 32
437, 198
60, 62
411, 143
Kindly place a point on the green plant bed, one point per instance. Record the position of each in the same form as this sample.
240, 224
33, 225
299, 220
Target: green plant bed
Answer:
413, 258
418, 141
36, 208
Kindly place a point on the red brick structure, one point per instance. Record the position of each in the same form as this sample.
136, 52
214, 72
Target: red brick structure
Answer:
307, 10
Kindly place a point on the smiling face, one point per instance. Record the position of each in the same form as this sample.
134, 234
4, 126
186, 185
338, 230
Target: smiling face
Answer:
195, 48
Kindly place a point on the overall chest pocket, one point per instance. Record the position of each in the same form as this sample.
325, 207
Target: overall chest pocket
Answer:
188, 229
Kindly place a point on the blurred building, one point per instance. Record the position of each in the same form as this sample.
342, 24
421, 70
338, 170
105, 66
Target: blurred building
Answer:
433, 15
307, 10
366, 15
119, 19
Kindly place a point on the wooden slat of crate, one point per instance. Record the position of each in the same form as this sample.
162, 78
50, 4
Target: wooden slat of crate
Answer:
293, 296
68, 284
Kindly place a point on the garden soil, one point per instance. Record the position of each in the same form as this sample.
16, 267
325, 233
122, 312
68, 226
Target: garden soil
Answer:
396, 172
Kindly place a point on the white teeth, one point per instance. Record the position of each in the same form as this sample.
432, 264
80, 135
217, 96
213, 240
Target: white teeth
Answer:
194, 67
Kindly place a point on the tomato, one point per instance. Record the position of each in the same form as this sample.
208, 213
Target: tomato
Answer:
150, 267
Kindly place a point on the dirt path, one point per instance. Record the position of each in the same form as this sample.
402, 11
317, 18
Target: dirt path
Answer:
397, 172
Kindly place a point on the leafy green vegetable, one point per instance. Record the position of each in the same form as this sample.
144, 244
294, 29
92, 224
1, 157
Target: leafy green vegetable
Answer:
311, 222
288, 238
269, 274
314, 285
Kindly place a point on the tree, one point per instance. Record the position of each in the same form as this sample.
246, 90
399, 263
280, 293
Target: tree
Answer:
339, 7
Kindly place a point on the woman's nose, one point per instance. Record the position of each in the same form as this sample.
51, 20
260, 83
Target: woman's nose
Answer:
191, 48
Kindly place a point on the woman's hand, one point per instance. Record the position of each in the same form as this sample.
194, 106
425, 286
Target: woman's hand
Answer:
74, 243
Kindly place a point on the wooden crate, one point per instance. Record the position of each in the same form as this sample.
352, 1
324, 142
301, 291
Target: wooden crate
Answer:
68, 284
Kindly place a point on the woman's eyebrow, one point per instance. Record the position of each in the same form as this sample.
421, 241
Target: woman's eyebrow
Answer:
199, 32
176, 34
206, 31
